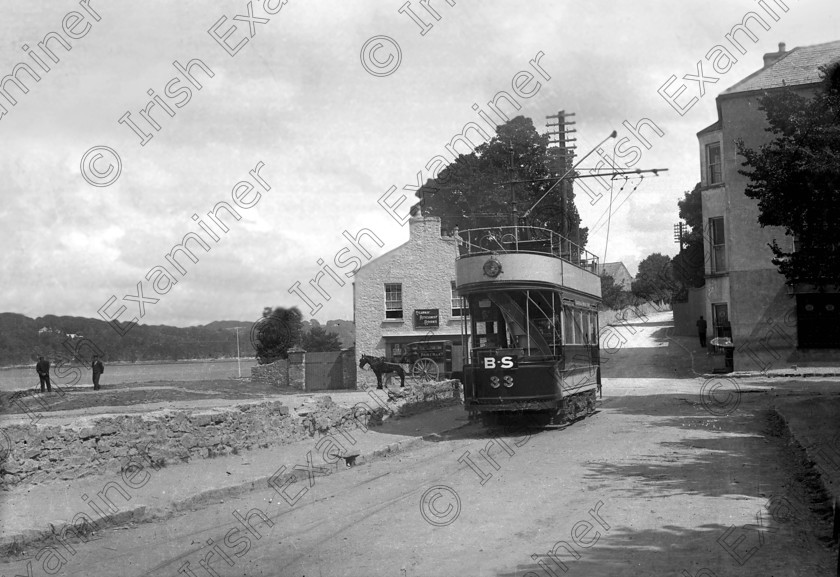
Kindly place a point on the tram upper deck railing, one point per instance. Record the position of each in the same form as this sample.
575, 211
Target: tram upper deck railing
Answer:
524, 239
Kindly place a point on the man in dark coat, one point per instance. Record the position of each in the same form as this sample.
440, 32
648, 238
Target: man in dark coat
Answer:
97, 368
701, 331
43, 370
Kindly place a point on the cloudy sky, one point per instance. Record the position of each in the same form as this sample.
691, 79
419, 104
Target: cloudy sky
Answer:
333, 137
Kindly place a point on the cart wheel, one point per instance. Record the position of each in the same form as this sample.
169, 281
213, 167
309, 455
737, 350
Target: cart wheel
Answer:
425, 370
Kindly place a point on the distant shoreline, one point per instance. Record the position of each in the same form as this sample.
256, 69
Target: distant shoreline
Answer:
138, 363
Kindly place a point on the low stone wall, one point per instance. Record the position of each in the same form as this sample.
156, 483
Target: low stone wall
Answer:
291, 372
103, 445
326, 415
94, 446
276, 373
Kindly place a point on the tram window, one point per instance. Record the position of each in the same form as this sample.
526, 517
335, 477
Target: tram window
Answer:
578, 327
593, 329
585, 334
568, 321
544, 319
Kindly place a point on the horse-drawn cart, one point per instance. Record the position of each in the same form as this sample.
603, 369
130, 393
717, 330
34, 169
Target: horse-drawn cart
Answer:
429, 360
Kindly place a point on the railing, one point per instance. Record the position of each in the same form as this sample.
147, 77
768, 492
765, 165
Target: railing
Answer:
509, 239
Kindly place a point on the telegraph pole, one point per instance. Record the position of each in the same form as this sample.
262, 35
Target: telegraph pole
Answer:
679, 231
565, 158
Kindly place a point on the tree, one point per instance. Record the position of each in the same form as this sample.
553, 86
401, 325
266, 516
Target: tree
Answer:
319, 340
470, 193
275, 333
689, 265
655, 281
613, 296
796, 180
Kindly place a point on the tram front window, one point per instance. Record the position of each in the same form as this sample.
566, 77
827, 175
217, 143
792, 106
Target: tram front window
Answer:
525, 323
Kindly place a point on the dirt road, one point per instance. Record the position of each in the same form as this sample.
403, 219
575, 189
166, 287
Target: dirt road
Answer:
658, 482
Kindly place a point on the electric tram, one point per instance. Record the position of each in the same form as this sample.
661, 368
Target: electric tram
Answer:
532, 329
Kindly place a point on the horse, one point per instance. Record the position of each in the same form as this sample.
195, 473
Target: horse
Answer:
381, 367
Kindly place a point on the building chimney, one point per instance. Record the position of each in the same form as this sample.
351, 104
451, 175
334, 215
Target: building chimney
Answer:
773, 57
424, 227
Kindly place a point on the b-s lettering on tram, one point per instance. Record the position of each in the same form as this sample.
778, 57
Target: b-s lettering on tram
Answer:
499, 362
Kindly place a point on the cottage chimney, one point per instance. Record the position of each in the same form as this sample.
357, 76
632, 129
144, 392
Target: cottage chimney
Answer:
772, 57
424, 227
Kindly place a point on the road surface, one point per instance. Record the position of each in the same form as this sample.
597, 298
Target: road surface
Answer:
660, 481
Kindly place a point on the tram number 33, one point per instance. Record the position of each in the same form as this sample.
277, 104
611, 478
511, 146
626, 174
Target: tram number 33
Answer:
500, 362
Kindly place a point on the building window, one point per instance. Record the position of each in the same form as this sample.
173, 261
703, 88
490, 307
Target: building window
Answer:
457, 310
718, 245
393, 301
713, 164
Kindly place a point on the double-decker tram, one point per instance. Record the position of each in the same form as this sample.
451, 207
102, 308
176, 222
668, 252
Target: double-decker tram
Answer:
532, 329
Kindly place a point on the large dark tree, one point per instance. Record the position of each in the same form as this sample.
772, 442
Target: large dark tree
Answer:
470, 193
655, 281
796, 180
319, 340
275, 333
688, 265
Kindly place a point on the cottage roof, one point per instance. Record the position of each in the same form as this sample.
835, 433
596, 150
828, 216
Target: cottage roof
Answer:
613, 269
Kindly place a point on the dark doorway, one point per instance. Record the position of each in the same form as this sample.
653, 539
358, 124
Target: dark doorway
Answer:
722, 328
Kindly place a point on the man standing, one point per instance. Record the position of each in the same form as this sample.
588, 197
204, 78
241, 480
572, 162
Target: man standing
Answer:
97, 368
701, 331
43, 370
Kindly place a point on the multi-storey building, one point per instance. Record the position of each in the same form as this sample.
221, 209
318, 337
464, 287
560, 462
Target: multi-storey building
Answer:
745, 297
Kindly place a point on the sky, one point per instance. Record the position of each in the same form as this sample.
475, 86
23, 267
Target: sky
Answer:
329, 104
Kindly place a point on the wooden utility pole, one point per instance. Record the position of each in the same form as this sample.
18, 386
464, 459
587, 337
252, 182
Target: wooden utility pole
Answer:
565, 159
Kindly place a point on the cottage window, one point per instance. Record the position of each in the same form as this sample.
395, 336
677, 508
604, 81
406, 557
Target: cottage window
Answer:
713, 163
393, 301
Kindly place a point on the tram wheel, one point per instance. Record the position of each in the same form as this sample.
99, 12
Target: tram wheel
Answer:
425, 370
590, 402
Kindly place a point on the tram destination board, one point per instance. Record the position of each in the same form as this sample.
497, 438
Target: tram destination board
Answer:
424, 318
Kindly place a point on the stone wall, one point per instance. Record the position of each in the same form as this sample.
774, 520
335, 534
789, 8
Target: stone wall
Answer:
297, 368
291, 372
283, 373
276, 373
94, 446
